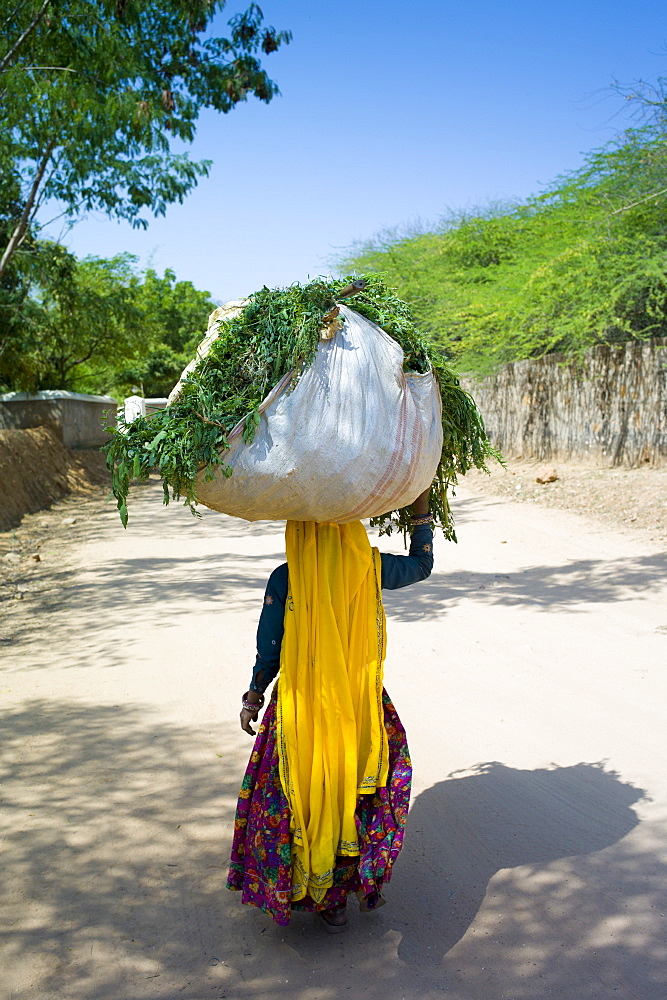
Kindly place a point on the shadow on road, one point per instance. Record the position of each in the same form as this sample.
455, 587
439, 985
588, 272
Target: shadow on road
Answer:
573, 585
116, 827
464, 831
116, 837
117, 833
82, 612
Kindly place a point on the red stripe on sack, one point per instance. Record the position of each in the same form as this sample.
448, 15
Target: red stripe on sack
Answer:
394, 462
416, 442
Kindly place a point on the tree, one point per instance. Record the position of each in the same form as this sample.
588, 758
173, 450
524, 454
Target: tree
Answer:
97, 325
176, 311
175, 315
580, 265
78, 319
93, 94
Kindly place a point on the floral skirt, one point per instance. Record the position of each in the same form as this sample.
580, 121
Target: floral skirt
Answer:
262, 853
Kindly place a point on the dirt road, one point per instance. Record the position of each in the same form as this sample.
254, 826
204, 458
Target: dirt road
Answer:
529, 672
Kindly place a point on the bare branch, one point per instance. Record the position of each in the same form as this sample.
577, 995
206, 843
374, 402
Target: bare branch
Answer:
28, 31
13, 15
63, 69
83, 360
21, 228
214, 423
55, 163
649, 197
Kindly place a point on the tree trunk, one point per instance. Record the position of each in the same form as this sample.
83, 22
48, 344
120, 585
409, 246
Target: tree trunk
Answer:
21, 227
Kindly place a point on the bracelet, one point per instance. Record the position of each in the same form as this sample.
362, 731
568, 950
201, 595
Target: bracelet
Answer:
422, 520
252, 706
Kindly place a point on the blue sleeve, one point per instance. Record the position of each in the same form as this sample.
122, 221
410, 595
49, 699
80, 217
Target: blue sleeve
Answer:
401, 571
270, 631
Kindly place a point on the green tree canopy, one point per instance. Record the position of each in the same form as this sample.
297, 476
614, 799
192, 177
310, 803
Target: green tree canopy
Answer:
175, 316
93, 94
97, 325
581, 264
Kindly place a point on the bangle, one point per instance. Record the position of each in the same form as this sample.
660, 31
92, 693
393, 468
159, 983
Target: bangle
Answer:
422, 520
252, 706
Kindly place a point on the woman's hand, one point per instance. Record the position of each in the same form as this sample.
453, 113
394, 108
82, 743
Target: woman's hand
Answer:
420, 506
246, 718
246, 715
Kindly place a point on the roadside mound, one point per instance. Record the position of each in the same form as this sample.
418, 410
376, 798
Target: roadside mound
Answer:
36, 469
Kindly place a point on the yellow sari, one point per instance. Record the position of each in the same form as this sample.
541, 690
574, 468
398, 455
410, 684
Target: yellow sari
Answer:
332, 743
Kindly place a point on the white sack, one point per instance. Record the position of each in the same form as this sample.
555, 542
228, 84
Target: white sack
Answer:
357, 437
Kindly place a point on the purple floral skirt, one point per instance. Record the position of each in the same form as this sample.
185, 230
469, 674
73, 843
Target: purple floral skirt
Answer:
261, 851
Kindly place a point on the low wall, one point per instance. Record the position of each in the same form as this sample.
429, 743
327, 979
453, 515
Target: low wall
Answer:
77, 418
611, 406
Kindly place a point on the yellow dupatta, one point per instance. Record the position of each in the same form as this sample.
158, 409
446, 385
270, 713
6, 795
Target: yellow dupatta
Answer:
332, 743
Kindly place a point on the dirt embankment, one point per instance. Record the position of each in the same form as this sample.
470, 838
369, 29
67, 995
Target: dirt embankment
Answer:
45, 490
36, 469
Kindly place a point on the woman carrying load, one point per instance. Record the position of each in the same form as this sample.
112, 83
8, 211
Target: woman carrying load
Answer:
325, 797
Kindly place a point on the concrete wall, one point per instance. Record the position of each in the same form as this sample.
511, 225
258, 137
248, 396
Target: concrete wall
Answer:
77, 418
610, 407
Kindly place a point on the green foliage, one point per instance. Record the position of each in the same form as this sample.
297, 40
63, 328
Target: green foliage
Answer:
580, 265
152, 375
80, 316
95, 325
94, 92
173, 315
177, 310
277, 333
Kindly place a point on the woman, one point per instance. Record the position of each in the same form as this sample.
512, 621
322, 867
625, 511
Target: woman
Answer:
325, 797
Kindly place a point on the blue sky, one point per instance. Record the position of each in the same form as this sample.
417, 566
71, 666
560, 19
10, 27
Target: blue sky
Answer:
390, 113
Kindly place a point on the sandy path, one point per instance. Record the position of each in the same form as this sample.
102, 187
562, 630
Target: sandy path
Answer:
530, 674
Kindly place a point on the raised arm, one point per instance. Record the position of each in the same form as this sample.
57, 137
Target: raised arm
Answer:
401, 571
